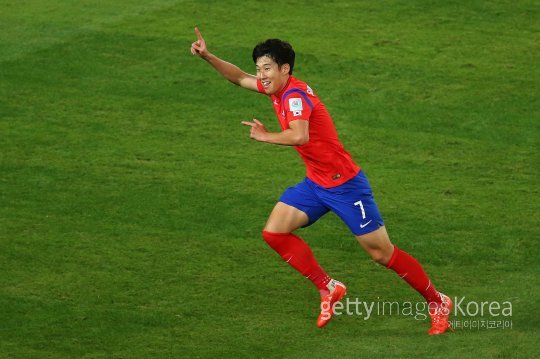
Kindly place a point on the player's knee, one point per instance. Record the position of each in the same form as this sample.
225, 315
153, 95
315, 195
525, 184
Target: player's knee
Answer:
377, 257
380, 256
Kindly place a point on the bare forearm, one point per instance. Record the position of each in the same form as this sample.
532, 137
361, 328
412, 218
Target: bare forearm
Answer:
229, 71
287, 138
296, 135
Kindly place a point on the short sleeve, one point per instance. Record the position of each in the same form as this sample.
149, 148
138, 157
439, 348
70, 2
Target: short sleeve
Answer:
297, 105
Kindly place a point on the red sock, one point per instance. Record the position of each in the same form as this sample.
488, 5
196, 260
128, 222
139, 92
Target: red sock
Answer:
412, 272
297, 253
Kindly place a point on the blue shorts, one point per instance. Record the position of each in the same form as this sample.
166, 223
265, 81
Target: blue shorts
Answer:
352, 201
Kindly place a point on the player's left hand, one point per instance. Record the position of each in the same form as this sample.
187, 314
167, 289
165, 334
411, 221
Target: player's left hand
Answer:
198, 48
258, 131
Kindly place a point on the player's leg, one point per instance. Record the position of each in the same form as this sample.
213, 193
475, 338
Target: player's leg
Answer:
277, 232
298, 207
285, 219
378, 246
353, 202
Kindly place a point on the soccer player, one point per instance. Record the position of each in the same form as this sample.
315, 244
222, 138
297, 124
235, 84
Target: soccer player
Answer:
334, 182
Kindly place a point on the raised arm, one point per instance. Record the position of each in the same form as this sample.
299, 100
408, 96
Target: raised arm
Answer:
229, 71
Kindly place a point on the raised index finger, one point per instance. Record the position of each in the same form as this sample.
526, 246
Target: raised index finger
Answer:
198, 33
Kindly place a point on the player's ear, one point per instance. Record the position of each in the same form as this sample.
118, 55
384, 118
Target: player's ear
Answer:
285, 68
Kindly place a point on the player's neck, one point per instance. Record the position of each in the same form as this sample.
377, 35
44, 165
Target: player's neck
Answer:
284, 86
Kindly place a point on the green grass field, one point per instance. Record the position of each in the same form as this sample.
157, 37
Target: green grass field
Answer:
132, 200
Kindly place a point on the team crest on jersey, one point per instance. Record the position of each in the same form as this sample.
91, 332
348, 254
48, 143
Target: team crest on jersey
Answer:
297, 113
295, 104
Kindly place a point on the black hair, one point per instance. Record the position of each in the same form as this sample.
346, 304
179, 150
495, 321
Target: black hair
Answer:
279, 51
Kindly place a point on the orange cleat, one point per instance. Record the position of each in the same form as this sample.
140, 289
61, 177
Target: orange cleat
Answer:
328, 301
439, 316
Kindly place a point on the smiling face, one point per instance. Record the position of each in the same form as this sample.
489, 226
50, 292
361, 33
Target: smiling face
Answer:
272, 77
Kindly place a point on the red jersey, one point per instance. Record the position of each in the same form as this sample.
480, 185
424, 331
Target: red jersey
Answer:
327, 162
